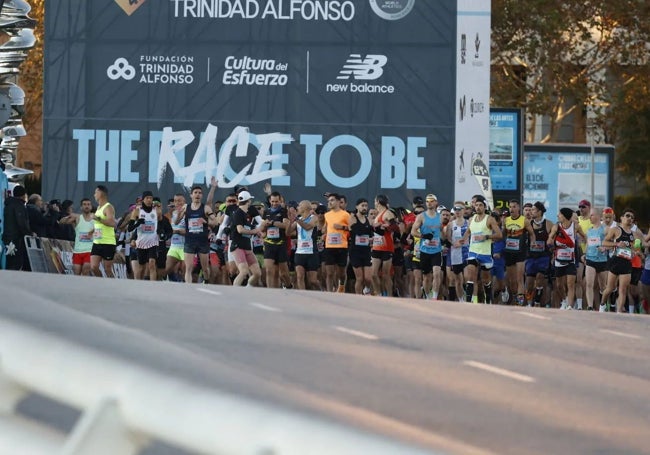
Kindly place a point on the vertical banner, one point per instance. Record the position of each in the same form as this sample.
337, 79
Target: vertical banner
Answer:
506, 154
472, 174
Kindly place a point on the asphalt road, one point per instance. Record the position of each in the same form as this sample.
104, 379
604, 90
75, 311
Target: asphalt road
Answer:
451, 377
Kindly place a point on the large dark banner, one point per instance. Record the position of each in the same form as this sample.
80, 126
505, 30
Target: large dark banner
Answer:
310, 95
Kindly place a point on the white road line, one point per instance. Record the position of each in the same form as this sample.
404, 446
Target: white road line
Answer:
622, 334
533, 315
208, 291
499, 371
356, 333
261, 306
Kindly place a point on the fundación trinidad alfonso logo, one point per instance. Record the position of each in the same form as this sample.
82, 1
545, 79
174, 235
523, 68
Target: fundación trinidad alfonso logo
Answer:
121, 68
392, 10
129, 6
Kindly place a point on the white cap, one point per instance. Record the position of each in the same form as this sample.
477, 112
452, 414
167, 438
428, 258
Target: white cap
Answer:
244, 196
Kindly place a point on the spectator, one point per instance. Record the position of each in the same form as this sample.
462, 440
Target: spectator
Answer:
36, 213
16, 228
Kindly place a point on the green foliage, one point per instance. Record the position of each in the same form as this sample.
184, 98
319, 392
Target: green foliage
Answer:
563, 51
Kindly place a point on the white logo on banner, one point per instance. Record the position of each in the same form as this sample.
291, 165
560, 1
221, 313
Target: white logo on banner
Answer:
121, 68
367, 69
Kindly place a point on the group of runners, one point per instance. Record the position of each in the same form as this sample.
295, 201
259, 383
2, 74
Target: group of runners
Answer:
465, 252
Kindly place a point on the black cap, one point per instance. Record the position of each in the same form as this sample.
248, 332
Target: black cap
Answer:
320, 210
146, 193
417, 200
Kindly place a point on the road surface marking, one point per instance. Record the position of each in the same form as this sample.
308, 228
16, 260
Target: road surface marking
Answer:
533, 315
208, 291
622, 334
500, 371
356, 333
261, 306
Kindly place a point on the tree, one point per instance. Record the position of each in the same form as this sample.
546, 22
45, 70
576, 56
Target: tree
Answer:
556, 58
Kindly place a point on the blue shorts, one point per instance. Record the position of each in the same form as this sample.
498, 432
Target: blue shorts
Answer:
498, 271
645, 277
537, 265
485, 261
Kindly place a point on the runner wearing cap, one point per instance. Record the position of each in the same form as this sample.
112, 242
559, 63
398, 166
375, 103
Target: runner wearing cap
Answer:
144, 219
584, 220
243, 228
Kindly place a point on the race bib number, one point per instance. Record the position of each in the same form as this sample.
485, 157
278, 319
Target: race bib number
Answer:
564, 254
432, 243
456, 256
148, 228
537, 245
257, 241
334, 238
625, 253
512, 244
478, 238
320, 245
195, 225
594, 241
86, 237
362, 240
273, 233
97, 234
378, 240
177, 240
306, 245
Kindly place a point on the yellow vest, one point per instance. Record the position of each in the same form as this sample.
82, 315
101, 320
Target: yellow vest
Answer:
103, 235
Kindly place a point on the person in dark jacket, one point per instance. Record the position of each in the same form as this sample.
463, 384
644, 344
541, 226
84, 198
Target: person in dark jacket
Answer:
36, 213
16, 227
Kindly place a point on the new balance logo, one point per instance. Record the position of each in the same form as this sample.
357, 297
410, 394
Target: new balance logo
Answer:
368, 68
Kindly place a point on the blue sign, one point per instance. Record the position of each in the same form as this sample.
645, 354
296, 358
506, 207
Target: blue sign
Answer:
505, 148
560, 176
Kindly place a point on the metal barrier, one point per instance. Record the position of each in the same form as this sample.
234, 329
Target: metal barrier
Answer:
124, 407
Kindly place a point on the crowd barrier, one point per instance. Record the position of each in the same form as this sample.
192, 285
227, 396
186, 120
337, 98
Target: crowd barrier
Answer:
55, 256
